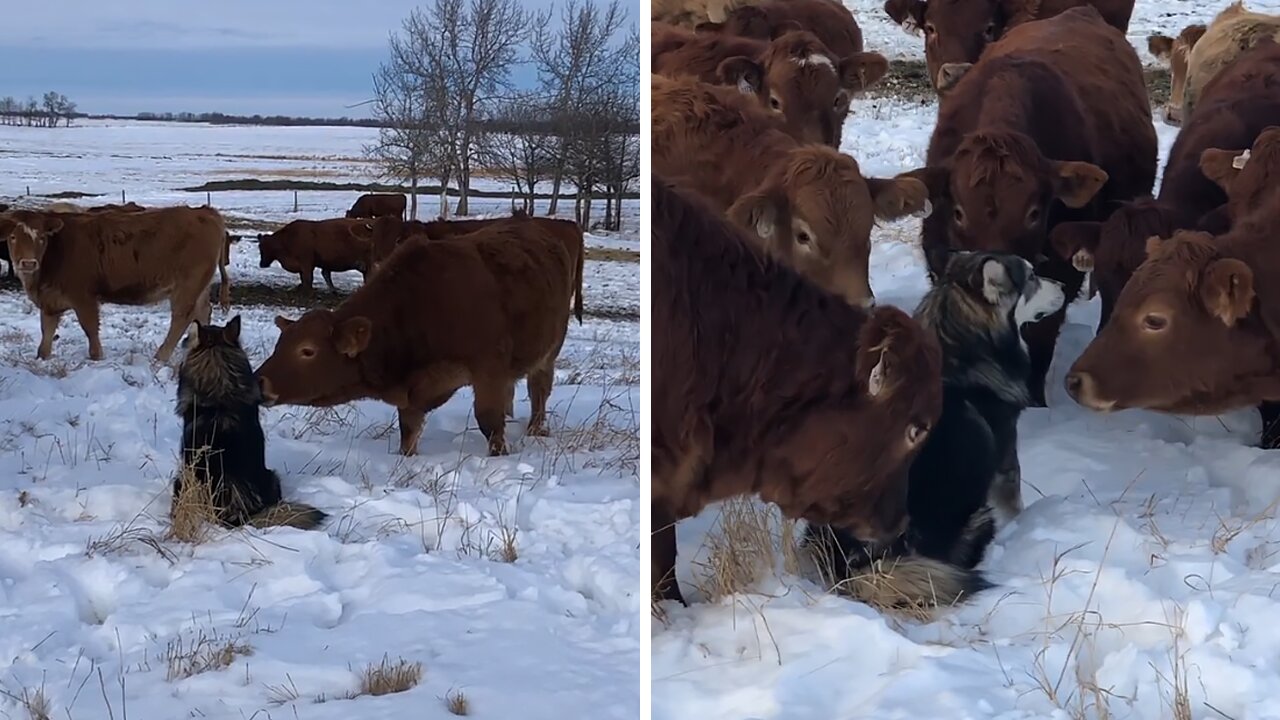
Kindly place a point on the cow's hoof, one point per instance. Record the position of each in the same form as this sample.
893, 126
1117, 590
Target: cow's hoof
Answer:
497, 449
539, 430
95, 356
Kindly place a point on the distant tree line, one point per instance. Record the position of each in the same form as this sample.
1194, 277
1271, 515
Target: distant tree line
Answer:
51, 110
217, 118
447, 107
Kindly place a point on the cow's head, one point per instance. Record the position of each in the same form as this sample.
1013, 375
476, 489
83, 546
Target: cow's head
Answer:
269, 247
1175, 51
316, 361
815, 211
1185, 333
850, 464
999, 190
1114, 249
382, 235
1250, 177
812, 87
954, 32
28, 233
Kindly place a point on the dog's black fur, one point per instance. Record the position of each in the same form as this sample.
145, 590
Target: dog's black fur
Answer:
967, 476
222, 439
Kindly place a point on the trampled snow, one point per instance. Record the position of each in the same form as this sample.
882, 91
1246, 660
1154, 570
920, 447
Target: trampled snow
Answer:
1145, 563
106, 617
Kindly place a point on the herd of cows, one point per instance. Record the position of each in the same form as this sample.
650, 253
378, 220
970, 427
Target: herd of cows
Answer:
444, 305
775, 372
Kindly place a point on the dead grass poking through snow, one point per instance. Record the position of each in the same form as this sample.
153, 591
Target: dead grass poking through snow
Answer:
387, 677
33, 702
194, 515
740, 550
457, 703
202, 653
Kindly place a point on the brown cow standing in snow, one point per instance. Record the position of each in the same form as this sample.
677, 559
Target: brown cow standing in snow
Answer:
304, 245
376, 205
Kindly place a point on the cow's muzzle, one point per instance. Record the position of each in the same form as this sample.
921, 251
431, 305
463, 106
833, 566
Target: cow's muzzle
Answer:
269, 396
1082, 388
28, 266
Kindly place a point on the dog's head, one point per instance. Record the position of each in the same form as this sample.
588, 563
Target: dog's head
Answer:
1005, 283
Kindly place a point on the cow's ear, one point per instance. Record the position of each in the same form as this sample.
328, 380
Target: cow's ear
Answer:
900, 196
743, 73
907, 13
889, 333
950, 74
862, 70
750, 21
283, 322
1215, 222
1226, 289
937, 180
232, 331
785, 27
1077, 242
6, 227
351, 336
763, 213
1160, 46
1075, 183
361, 231
1223, 166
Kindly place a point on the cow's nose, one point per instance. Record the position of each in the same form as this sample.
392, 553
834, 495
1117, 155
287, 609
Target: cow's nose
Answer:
269, 397
1077, 385
28, 265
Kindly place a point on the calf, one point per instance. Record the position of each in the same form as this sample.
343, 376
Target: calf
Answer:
304, 245
958, 32
794, 74
1052, 124
1175, 51
764, 383
76, 261
809, 205
376, 205
831, 21
1238, 104
1233, 31
439, 315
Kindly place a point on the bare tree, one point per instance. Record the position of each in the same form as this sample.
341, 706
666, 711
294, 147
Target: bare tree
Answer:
521, 148
404, 148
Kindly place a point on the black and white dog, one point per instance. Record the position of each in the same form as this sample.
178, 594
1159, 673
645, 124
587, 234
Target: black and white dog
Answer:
967, 480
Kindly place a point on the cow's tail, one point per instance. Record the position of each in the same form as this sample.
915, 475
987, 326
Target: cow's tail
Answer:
289, 514
224, 259
577, 279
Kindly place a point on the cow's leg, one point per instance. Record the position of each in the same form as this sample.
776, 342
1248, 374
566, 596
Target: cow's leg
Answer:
411, 421
663, 546
87, 314
511, 399
540, 380
307, 275
48, 328
182, 310
328, 279
491, 398
1270, 425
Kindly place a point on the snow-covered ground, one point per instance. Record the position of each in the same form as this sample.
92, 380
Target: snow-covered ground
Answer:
1145, 564
514, 581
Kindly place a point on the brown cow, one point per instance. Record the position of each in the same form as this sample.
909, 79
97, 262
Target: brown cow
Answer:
957, 31
762, 384
809, 204
1195, 330
1175, 51
691, 13
76, 261
1003, 175
376, 205
1239, 103
439, 315
128, 207
304, 245
1233, 31
795, 74
831, 21
1250, 178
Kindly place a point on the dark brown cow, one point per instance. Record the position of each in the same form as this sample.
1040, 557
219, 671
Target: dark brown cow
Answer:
830, 21
957, 31
764, 383
439, 315
76, 261
808, 204
795, 74
1250, 180
1195, 330
376, 205
1175, 51
1239, 103
1052, 124
304, 245
129, 207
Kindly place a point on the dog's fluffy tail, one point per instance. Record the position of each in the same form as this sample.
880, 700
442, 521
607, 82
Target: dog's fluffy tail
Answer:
289, 514
912, 582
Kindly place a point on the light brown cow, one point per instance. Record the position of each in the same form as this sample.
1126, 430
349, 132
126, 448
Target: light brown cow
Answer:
1175, 52
794, 74
1233, 31
761, 384
376, 205
76, 261
304, 245
439, 315
809, 205
957, 31
691, 13
830, 20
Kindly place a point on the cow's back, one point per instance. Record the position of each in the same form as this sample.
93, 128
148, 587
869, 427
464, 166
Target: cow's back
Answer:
1232, 32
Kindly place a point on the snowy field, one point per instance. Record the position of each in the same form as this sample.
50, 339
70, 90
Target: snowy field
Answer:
1143, 572
514, 582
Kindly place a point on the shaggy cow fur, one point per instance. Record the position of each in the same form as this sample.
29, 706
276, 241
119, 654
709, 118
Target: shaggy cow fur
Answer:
222, 439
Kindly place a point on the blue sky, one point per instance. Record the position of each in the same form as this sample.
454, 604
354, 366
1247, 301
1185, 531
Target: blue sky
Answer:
294, 57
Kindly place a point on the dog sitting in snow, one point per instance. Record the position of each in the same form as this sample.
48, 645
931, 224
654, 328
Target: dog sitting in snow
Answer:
222, 440
967, 479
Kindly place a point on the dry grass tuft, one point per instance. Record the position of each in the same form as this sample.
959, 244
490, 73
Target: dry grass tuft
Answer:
507, 551
202, 654
740, 550
34, 702
194, 514
457, 703
387, 677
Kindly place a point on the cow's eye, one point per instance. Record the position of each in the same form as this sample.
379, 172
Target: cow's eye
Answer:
990, 32
915, 433
959, 215
307, 353
1154, 322
1033, 216
930, 30
774, 102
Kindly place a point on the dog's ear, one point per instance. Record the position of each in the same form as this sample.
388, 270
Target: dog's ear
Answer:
996, 282
231, 333
192, 340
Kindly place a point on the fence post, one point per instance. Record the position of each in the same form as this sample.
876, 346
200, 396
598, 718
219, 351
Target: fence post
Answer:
122, 197
208, 198
295, 201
